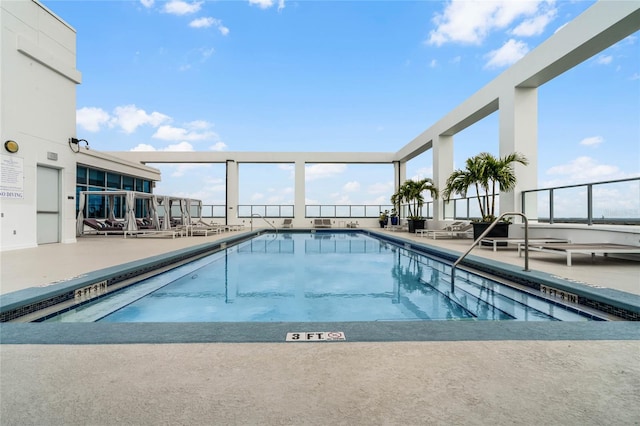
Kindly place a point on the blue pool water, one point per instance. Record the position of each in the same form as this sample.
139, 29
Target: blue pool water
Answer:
317, 277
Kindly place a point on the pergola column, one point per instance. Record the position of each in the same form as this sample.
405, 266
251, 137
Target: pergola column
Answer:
442, 169
299, 193
519, 133
233, 192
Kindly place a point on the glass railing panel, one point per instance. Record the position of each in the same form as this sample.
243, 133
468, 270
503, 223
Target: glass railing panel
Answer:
616, 203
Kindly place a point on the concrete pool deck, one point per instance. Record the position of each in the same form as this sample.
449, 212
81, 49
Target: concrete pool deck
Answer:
528, 380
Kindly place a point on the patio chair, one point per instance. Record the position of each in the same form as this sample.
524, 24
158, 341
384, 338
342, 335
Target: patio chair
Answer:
326, 223
287, 223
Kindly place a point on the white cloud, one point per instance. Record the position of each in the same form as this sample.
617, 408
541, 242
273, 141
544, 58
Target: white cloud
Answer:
433, 63
635, 76
422, 173
321, 171
266, 4
218, 146
352, 186
507, 55
147, 3
534, 26
582, 170
170, 133
470, 22
381, 188
592, 141
182, 146
257, 197
202, 22
91, 119
207, 22
199, 55
179, 7
604, 59
143, 147
129, 118
194, 131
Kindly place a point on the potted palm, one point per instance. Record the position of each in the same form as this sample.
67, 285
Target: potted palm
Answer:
411, 192
486, 173
384, 218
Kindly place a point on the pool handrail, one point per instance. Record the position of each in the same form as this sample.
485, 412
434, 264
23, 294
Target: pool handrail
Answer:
484, 234
260, 216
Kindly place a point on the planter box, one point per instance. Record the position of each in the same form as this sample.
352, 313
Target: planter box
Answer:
501, 230
415, 224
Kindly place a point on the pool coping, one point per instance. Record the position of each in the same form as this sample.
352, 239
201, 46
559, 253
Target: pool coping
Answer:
375, 331
364, 331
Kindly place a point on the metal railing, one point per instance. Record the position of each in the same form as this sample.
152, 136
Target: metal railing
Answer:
267, 222
590, 203
485, 233
607, 202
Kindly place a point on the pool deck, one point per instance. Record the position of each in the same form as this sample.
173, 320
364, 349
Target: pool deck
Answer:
575, 379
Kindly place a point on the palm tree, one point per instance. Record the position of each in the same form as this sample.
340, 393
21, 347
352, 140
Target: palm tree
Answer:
485, 172
411, 193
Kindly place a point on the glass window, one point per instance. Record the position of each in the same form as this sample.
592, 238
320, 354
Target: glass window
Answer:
113, 181
96, 177
127, 183
139, 185
81, 175
96, 205
146, 186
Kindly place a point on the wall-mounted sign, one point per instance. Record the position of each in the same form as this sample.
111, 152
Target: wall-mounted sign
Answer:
11, 177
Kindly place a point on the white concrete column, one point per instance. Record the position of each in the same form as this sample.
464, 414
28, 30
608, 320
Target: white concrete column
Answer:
233, 192
399, 174
442, 169
519, 133
299, 194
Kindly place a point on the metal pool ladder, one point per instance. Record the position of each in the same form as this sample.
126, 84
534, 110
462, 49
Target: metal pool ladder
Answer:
493, 224
261, 217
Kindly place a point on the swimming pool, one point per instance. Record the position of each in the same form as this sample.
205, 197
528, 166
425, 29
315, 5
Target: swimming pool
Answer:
318, 277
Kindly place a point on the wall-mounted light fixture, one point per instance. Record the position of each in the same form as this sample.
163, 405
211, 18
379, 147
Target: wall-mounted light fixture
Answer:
11, 146
74, 144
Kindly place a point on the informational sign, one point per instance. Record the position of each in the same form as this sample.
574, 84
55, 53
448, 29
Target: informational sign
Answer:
315, 336
11, 177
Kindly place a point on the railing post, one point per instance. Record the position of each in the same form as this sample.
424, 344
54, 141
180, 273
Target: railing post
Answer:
551, 206
589, 205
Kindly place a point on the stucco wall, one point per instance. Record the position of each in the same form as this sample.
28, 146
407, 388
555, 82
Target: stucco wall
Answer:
38, 82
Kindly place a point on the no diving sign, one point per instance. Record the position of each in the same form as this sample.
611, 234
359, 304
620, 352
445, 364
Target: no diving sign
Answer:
315, 336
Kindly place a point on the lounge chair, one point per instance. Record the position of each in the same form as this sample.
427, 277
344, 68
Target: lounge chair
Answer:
145, 224
326, 223
503, 242
322, 223
288, 223
585, 248
455, 230
114, 223
101, 227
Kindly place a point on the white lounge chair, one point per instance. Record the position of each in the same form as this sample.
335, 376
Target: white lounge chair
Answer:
287, 223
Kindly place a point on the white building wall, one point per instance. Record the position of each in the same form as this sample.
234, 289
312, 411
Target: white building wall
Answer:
37, 110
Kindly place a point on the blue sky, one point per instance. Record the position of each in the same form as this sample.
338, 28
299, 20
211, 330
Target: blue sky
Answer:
263, 75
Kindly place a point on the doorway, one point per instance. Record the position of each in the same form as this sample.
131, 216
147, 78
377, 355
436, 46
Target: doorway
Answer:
48, 205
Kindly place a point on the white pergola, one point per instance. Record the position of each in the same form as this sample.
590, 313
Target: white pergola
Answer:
514, 94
